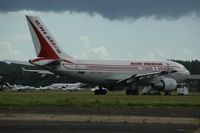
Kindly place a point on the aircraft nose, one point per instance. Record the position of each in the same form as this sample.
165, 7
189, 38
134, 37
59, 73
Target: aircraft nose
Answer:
187, 73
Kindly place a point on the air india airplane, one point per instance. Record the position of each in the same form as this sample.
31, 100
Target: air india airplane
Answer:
130, 74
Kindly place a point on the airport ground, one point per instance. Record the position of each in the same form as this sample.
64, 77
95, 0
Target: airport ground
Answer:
92, 127
68, 112
97, 120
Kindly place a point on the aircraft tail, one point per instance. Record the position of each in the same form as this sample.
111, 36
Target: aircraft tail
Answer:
44, 43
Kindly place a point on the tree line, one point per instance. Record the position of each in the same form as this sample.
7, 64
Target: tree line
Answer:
13, 74
193, 66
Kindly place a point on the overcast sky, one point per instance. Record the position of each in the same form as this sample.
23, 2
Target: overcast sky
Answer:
105, 29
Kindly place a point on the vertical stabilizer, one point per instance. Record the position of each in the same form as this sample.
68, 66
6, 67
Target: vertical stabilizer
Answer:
44, 43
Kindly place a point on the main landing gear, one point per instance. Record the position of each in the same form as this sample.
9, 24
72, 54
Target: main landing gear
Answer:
100, 91
132, 90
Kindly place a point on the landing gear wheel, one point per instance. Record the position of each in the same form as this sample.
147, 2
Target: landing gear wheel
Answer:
100, 92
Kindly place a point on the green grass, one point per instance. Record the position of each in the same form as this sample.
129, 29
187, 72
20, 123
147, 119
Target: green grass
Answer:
88, 99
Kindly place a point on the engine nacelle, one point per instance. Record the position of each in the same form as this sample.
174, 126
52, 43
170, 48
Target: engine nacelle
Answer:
166, 84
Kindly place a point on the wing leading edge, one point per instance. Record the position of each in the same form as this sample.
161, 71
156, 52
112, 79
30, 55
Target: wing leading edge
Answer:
140, 77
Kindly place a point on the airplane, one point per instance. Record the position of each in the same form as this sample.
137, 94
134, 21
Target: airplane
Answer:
128, 74
63, 86
46, 88
22, 88
73, 87
4, 85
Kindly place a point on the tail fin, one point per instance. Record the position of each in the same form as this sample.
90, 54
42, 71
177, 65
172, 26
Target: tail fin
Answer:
44, 43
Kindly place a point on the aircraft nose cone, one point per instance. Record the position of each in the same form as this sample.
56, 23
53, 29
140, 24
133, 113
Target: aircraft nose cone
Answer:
187, 73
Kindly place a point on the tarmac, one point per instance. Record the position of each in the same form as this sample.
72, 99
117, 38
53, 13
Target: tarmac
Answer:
191, 112
92, 127
98, 120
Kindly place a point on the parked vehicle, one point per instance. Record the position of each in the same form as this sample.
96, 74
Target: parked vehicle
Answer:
182, 89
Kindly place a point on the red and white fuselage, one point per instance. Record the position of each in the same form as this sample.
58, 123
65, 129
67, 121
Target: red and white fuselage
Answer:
50, 56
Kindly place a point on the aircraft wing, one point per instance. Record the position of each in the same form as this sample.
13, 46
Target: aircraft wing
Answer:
37, 71
140, 77
44, 72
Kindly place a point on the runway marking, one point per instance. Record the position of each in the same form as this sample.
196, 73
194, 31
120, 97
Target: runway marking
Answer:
98, 118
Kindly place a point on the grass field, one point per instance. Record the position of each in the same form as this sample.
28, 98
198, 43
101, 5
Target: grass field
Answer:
88, 99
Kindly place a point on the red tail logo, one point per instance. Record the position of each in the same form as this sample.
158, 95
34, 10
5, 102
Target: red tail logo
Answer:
46, 42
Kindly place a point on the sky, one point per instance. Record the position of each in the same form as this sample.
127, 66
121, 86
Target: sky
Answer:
105, 29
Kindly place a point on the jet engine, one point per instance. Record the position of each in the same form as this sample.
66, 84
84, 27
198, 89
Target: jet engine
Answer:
166, 84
